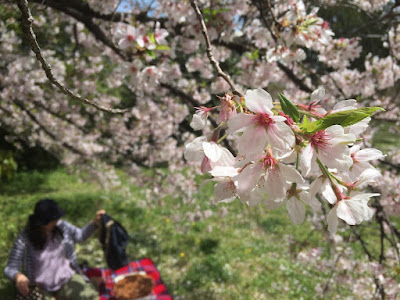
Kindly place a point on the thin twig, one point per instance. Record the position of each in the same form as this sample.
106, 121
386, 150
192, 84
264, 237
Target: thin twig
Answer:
26, 26
333, 270
276, 22
210, 55
371, 258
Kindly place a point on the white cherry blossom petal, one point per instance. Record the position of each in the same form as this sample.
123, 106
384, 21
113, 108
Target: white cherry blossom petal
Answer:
212, 151
248, 179
306, 157
240, 122
332, 220
274, 186
198, 122
252, 141
368, 154
337, 157
344, 105
315, 186
327, 192
318, 94
225, 191
224, 171
227, 158
296, 210
281, 136
194, 151
353, 211
258, 101
290, 173
359, 127
310, 201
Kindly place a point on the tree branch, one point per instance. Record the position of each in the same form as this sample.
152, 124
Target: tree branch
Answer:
46, 131
210, 55
26, 26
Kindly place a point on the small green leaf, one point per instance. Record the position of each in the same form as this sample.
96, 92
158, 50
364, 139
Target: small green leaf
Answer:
289, 108
307, 126
343, 118
152, 38
150, 53
162, 47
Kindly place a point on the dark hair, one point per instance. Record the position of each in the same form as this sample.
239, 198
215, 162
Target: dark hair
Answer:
36, 236
46, 210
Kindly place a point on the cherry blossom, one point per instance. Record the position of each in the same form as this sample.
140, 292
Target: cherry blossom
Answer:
263, 127
352, 209
330, 147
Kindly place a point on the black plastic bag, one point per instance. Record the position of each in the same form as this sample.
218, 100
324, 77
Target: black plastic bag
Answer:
114, 238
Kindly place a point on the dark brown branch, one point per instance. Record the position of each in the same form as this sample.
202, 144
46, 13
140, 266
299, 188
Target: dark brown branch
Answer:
241, 48
84, 8
277, 24
289, 73
378, 285
26, 26
390, 164
374, 20
210, 55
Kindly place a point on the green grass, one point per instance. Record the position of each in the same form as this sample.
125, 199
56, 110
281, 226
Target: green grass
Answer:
249, 254
386, 140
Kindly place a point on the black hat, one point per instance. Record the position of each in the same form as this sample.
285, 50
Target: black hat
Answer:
46, 210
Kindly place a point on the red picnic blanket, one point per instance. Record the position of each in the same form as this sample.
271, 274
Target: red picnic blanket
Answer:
146, 264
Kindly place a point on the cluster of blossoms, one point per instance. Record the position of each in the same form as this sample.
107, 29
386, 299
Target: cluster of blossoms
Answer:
288, 154
340, 52
104, 7
139, 38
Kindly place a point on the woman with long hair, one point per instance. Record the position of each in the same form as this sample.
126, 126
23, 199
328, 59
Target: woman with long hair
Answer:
44, 255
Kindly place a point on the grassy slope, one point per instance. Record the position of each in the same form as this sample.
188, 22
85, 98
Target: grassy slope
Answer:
249, 254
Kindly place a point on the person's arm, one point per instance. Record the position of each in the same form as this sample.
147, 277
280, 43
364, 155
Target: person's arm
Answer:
11, 271
81, 234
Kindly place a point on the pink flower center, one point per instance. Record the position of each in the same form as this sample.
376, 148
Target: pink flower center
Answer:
263, 120
320, 140
130, 37
269, 161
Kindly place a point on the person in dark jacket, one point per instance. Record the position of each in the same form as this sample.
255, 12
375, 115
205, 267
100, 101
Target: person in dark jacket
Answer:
44, 255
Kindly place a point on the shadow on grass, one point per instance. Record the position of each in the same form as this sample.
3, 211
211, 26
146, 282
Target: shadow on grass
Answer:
272, 224
7, 291
24, 183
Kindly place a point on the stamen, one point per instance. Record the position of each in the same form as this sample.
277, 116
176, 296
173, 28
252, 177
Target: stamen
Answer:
269, 161
320, 140
263, 120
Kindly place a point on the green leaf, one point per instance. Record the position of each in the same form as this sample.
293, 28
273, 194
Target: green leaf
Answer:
150, 53
306, 126
342, 118
311, 21
289, 108
152, 38
162, 47
253, 55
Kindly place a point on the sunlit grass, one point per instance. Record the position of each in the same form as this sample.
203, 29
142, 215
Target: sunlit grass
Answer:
248, 254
